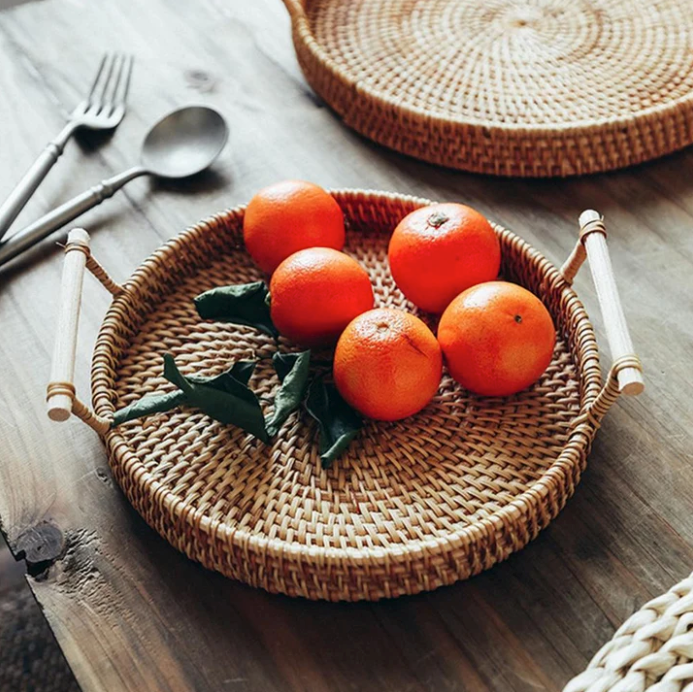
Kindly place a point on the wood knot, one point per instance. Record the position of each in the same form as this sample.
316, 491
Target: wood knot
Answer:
40, 546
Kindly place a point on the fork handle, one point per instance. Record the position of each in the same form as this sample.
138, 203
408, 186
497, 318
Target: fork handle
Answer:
65, 213
32, 178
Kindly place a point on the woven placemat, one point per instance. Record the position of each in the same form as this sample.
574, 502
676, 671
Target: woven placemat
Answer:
652, 650
537, 88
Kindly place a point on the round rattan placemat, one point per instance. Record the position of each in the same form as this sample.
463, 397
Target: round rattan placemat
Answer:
410, 506
652, 650
506, 87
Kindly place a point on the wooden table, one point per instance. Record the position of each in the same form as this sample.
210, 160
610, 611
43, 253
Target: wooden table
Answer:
133, 614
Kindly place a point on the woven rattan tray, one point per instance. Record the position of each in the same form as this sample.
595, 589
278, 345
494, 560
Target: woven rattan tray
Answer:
411, 505
540, 88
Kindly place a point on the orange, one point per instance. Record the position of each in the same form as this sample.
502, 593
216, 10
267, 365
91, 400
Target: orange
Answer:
290, 216
387, 364
315, 293
497, 338
438, 251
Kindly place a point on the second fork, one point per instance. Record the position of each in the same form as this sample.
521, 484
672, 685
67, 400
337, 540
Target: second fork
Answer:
102, 109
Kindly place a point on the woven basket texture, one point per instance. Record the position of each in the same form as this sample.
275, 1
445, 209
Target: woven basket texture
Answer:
411, 506
506, 87
652, 650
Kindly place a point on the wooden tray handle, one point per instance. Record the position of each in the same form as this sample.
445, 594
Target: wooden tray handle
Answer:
626, 370
296, 9
60, 396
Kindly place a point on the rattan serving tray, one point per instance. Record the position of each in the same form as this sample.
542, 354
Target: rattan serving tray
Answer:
411, 505
533, 88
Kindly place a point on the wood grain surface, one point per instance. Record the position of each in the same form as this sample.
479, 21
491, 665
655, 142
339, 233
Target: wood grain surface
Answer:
133, 614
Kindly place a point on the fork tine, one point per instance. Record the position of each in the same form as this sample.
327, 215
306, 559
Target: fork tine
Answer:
131, 64
98, 75
119, 62
129, 61
103, 86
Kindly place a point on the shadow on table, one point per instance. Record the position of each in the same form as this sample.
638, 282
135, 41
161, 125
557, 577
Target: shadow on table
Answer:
30, 658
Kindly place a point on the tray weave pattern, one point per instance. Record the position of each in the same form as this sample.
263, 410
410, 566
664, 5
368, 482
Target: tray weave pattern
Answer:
411, 505
652, 650
506, 87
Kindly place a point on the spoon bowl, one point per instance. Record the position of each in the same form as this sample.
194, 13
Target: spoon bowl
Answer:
184, 142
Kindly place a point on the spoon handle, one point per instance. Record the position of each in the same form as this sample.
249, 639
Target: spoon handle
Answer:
37, 231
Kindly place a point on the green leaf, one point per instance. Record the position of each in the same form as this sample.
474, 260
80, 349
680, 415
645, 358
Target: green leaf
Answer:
292, 369
223, 398
284, 362
241, 304
242, 370
338, 422
232, 382
151, 403
173, 375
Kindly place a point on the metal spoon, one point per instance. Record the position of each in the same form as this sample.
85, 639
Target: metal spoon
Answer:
182, 144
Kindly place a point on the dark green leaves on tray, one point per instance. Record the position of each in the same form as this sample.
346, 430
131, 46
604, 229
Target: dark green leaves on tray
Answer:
227, 397
292, 369
245, 304
151, 403
338, 422
223, 398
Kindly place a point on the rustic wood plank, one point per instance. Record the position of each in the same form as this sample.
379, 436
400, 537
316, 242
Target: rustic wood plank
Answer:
130, 612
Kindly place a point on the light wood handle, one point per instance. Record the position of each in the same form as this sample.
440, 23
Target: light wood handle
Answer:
297, 10
61, 392
593, 237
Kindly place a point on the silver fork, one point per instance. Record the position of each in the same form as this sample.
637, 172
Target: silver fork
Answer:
102, 109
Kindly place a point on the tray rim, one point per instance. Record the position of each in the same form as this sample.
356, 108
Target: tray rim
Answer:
562, 467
